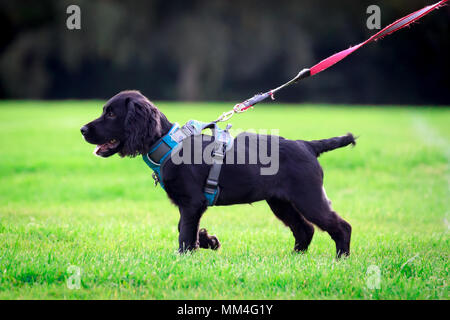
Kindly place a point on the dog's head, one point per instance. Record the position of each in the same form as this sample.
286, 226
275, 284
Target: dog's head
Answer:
129, 125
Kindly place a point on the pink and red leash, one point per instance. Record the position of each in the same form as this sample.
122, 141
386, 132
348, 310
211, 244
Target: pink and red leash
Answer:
397, 25
335, 58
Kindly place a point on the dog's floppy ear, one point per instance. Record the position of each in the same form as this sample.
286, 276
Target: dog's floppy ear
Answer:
142, 126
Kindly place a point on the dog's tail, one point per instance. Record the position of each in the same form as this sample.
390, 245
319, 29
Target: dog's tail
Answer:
321, 146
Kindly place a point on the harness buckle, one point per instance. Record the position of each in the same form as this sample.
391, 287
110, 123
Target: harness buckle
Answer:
218, 155
188, 129
212, 183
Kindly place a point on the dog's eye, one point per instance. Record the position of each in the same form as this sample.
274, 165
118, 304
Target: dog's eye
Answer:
110, 114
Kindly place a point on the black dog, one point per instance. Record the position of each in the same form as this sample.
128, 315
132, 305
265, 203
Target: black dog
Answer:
130, 124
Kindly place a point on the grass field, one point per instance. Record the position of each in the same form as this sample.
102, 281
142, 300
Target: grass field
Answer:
61, 209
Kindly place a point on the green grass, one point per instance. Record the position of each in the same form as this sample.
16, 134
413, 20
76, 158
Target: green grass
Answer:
60, 206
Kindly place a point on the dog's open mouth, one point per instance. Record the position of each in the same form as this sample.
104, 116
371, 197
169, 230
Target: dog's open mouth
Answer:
103, 150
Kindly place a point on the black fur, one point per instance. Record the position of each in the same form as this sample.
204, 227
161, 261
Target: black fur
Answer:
142, 125
321, 146
295, 193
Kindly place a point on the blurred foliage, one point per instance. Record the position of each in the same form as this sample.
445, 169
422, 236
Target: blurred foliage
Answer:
220, 50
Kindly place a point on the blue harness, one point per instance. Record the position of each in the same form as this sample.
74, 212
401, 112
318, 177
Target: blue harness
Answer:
161, 151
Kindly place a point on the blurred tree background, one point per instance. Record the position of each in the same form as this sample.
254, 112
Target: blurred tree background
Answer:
221, 50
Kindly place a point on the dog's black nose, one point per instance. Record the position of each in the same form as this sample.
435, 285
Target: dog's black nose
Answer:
84, 130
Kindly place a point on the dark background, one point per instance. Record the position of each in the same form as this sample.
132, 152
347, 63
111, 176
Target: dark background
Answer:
221, 50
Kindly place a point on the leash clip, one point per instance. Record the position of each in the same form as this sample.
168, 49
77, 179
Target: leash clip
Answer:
225, 116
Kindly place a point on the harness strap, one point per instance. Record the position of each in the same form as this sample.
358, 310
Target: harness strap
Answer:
159, 152
212, 182
162, 149
222, 138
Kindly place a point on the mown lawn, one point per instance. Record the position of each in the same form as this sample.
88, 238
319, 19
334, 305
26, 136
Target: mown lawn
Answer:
61, 209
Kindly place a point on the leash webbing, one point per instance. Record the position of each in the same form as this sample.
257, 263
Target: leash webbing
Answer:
333, 59
395, 26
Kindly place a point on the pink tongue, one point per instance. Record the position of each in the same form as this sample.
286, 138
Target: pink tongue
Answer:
100, 147
105, 147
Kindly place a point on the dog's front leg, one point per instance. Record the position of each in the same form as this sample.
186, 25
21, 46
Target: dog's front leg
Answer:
188, 228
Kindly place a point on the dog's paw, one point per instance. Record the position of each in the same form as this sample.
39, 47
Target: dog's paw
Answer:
300, 248
208, 241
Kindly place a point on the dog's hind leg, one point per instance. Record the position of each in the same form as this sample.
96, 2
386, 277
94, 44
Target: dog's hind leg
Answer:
316, 208
303, 231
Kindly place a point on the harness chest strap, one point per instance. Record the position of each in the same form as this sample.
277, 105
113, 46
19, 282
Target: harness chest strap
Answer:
159, 153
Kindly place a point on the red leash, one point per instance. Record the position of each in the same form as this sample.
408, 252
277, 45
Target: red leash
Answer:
397, 25
328, 62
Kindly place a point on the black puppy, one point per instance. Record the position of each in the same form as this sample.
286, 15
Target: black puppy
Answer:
130, 124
